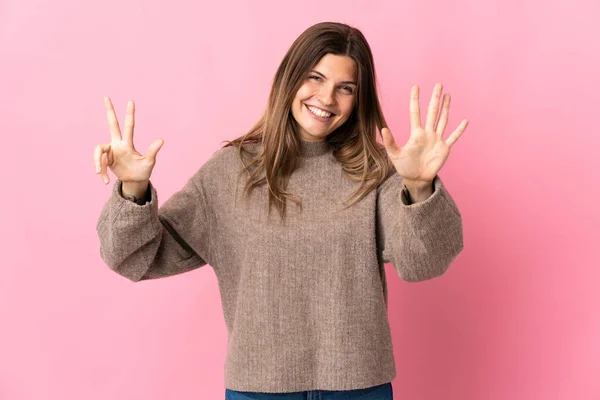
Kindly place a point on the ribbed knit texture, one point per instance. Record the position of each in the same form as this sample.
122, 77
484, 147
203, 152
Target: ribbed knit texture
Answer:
304, 301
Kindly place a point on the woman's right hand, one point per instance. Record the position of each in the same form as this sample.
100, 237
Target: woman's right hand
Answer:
120, 155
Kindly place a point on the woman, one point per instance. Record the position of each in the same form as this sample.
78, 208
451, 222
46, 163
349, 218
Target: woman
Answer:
304, 294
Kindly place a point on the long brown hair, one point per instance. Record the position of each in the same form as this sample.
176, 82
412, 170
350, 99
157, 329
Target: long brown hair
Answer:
354, 143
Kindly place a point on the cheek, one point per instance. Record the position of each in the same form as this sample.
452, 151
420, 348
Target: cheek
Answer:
303, 93
346, 107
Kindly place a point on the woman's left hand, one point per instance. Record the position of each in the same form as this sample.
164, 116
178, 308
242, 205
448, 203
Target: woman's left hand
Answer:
421, 158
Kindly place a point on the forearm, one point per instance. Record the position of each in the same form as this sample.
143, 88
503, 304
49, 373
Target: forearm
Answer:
431, 233
139, 244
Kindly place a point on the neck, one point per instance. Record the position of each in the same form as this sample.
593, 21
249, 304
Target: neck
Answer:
311, 149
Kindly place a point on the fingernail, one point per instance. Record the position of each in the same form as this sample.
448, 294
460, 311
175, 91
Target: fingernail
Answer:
106, 179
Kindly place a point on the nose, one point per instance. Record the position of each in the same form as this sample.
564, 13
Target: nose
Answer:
325, 95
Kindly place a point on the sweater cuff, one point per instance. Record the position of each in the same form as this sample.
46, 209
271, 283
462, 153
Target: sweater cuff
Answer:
131, 208
435, 204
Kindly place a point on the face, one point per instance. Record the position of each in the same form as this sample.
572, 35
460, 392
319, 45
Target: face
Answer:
326, 98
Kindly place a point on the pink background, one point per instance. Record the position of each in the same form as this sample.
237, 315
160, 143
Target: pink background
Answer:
517, 316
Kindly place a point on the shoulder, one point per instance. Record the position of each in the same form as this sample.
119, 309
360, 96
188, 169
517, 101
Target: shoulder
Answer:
230, 156
222, 157
224, 163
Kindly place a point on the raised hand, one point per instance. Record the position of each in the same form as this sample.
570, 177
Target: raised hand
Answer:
120, 155
426, 151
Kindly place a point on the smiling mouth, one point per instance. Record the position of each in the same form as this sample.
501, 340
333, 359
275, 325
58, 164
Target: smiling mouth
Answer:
319, 116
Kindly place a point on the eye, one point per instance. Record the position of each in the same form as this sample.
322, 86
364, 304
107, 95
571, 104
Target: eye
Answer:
348, 89
314, 77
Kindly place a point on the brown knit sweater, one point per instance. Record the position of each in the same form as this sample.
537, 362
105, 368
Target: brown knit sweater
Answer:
305, 301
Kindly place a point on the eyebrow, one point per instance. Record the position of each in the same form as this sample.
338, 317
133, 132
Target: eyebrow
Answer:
345, 82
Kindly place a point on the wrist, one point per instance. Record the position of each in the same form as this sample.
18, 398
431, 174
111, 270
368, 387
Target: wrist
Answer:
417, 186
419, 191
135, 191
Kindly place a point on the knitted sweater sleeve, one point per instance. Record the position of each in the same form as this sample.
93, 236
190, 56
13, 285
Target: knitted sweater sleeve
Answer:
143, 242
422, 239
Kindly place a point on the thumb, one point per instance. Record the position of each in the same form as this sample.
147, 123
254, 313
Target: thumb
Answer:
153, 149
388, 139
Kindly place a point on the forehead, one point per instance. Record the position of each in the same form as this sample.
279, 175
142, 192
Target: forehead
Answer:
337, 68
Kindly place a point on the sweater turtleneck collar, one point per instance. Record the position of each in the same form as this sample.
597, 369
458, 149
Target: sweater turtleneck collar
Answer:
311, 149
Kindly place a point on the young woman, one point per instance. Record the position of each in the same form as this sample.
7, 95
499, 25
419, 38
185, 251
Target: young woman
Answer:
303, 289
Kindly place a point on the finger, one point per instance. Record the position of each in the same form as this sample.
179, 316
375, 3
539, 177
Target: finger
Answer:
129, 122
456, 134
443, 115
101, 148
415, 112
113, 124
153, 149
388, 140
434, 106
103, 164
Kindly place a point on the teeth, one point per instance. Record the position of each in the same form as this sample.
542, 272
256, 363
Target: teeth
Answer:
320, 113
